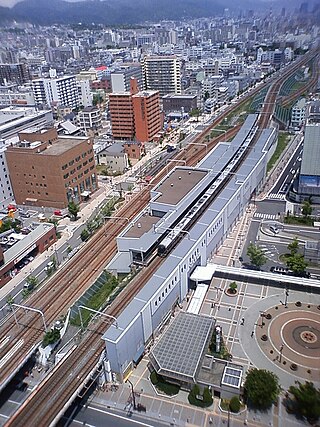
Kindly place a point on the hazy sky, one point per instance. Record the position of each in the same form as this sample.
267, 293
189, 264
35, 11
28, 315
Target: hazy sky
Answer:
8, 3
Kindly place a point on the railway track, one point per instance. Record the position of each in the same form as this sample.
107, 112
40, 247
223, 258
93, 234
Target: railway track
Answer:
67, 378
69, 283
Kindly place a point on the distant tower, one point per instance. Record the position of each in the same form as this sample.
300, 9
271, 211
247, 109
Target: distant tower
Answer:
283, 12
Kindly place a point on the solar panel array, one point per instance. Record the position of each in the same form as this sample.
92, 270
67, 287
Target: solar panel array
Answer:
181, 346
232, 377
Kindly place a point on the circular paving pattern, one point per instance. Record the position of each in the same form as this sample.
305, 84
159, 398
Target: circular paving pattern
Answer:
308, 337
293, 339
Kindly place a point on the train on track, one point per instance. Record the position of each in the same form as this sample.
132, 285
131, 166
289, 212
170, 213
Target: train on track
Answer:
185, 223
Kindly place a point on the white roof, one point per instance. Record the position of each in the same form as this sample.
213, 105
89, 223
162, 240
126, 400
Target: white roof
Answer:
198, 298
203, 273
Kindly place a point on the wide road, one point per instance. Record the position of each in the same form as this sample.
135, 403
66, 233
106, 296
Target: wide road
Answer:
94, 416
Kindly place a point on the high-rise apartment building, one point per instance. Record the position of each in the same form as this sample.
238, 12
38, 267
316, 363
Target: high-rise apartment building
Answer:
135, 115
56, 90
162, 73
47, 170
15, 73
147, 117
121, 113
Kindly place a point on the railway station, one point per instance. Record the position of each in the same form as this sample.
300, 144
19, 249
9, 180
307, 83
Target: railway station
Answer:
222, 196
171, 202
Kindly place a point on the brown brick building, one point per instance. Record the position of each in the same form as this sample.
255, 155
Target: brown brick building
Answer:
147, 115
50, 171
135, 115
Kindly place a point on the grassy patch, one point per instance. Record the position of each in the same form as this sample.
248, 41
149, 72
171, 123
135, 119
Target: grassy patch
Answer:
244, 108
281, 145
162, 385
299, 220
97, 300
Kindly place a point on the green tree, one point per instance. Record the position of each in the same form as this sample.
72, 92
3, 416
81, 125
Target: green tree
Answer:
306, 208
32, 281
73, 209
293, 246
84, 235
297, 264
51, 337
261, 388
305, 401
256, 255
233, 287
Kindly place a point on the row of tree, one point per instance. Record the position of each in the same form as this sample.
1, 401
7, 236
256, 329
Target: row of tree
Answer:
261, 389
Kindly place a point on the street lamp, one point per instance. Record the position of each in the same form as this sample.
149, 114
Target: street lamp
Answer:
280, 353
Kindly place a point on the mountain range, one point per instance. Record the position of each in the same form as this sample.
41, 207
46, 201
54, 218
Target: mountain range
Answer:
122, 12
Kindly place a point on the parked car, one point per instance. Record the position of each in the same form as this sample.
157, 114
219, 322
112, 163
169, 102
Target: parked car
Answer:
49, 266
280, 270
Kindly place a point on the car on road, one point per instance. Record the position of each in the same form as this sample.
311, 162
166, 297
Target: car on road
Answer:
274, 229
280, 270
49, 266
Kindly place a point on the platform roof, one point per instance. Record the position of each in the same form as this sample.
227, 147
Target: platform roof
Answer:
178, 352
141, 226
178, 184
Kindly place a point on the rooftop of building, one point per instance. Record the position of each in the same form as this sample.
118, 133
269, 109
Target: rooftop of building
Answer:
177, 96
300, 104
90, 109
19, 249
180, 349
145, 93
178, 184
143, 225
62, 145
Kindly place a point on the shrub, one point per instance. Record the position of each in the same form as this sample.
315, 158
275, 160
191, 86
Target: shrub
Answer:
84, 235
235, 404
154, 378
162, 385
206, 397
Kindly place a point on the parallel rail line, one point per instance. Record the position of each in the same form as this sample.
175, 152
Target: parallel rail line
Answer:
45, 405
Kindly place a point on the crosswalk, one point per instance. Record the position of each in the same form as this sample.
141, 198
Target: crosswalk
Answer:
276, 196
264, 215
